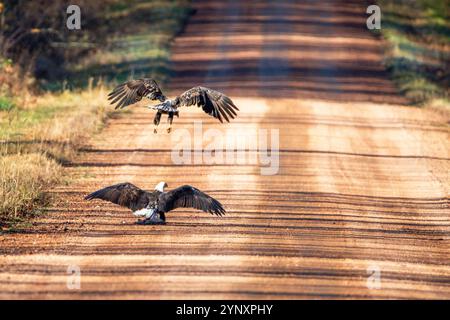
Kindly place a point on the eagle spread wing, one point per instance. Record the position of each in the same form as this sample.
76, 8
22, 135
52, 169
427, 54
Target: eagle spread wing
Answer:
189, 197
212, 102
124, 194
134, 90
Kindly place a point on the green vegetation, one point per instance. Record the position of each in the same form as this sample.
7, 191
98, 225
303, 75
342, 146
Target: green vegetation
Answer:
46, 117
138, 44
418, 34
6, 104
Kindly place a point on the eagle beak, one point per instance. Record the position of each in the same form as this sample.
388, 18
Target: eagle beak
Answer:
166, 185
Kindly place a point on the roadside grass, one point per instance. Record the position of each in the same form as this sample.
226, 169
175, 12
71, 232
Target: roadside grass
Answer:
36, 142
418, 56
40, 133
23, 178
56, 124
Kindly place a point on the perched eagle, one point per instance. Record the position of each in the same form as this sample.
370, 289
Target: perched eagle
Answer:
154, 205
214, 103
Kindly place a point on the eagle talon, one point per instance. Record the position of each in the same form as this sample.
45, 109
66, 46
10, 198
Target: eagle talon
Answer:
155, 130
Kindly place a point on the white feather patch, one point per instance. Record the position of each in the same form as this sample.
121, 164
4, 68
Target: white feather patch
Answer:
146, 212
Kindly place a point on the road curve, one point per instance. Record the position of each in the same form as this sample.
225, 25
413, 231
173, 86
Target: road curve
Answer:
358, 209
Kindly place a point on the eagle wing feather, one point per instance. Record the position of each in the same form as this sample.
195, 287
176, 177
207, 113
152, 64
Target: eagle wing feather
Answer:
189, 197
124, 194
213, 102
133, 91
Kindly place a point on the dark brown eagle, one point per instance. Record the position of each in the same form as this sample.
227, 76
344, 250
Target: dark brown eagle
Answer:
214, 103
154, 205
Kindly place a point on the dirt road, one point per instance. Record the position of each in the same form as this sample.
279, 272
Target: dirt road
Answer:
358, 209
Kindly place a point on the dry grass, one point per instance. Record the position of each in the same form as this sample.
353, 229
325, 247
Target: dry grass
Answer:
64, 119
35, 144
81, 114
22, 180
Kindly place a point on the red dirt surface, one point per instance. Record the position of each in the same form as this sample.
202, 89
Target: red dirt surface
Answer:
363, 182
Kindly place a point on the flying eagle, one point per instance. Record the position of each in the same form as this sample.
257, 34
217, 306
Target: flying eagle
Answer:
154, 205
214, 103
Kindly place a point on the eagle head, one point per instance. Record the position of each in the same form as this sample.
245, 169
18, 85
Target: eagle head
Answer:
160, 186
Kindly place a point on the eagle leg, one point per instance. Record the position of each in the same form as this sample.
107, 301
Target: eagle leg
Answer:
156, 121
169, 121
